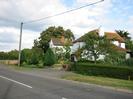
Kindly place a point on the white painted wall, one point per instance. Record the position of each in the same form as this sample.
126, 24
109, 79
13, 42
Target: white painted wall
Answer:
128, 56
123, 45
77, 45
116, 43
51, 44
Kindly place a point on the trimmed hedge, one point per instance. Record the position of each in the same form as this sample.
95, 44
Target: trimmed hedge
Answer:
103, 70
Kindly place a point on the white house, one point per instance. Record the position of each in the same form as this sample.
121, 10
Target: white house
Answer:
115, 38
58, 43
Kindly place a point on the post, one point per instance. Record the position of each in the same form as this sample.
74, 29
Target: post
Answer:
129, 77
20, 41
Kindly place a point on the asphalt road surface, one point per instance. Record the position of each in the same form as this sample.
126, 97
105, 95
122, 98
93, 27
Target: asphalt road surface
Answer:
16, 85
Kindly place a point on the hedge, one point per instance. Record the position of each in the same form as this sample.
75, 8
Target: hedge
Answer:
104, 70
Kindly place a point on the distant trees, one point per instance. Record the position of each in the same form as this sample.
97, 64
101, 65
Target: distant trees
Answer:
11, 55
46, 35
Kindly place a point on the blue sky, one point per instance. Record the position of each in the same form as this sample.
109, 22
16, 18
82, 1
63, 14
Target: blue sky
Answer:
68, 3
121, 11
111, 15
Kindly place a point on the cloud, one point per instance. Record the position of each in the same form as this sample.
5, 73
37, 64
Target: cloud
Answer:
8, 35
12, 12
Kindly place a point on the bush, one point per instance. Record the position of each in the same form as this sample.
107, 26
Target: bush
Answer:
90, 61
129, 62
34, 59
85, 60
104, 70
31, 56
49, 58
115, 58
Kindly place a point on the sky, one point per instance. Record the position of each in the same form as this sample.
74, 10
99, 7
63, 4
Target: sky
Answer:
110, 15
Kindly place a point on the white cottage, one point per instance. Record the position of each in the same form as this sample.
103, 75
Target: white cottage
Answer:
115, 38
58, 43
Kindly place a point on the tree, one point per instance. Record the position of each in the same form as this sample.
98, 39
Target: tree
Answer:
3, 56
31, 56
129, 45
49, 58
124, 34
59, 52
95, 45
11, 55
128, 40
45, 36
25, 56
36, 56
115, 57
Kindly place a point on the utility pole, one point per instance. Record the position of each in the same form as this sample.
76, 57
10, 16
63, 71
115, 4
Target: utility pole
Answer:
20, 41
21, 27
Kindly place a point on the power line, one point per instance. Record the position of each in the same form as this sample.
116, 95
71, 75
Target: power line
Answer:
31, 21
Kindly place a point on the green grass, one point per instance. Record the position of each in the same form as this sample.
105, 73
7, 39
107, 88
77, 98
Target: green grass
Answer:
117, 83
21, 68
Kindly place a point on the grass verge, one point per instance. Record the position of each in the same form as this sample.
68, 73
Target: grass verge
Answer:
116, 83
19, 68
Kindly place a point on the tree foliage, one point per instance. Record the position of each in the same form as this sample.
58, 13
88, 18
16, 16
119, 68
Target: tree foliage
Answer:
11, 55
46, 35
126, 36
31, 56
115, 58
95, 46
49, 58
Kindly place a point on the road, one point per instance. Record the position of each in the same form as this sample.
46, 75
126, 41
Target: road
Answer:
17, 85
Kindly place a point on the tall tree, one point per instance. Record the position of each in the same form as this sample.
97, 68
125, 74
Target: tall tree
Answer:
50, 58
128, 40
124, 34
46, 35
95, 45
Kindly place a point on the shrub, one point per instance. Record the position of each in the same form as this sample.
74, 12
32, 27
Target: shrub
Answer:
129, 62
115, 58
49, 58
90, 61
104, 70
34, 59
85, 60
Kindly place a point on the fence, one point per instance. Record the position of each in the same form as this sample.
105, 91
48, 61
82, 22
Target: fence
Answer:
10, 62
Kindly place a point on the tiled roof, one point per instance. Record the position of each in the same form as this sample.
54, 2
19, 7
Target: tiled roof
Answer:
114, 36
109, 35
81, 38
57, 41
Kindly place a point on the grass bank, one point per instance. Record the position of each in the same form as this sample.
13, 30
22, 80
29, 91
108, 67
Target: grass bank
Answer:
19, 68
104, 81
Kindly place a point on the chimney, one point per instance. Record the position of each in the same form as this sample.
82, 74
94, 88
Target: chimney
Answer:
101, 32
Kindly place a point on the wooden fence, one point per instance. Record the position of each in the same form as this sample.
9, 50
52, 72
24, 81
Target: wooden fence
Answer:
10, 62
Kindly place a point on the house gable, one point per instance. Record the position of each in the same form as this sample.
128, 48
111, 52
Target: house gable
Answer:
115, 38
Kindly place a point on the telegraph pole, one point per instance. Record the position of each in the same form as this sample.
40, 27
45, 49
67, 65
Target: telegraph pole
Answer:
31, 21
20, 42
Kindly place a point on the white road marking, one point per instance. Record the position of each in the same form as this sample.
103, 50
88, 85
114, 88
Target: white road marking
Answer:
64, 98
15, 81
